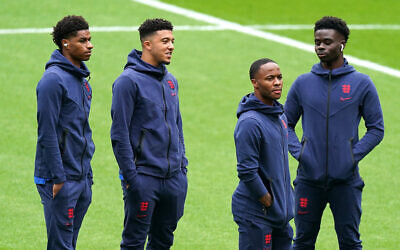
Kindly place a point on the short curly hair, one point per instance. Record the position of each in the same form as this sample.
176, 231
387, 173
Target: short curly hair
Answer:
331, 22
67, 27
150, 26
256, 65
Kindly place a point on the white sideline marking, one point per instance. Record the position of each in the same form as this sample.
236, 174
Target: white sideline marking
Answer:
205, 28
262, 34
108, 29
311, 26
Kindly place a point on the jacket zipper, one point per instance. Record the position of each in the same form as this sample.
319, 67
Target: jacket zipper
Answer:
327, 128
169, 128
284, 158
84, 127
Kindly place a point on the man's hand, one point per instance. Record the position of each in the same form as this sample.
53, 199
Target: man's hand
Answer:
266, 200
57, 188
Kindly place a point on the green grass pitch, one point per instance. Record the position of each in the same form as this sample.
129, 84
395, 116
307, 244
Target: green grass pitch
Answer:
212, 70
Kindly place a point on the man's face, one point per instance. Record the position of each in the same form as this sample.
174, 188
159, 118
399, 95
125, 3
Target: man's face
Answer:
268, 83
162, 45
79, 48
328, 44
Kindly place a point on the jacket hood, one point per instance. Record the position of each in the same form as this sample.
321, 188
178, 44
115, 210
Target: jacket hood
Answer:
135, 62
58, 59
345, 69
251, 102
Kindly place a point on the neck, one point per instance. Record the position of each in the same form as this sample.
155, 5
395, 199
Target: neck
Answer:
147, 57
268, 102
72, 60
334, 64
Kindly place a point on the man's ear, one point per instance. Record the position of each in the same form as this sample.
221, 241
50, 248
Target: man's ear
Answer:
254, 82
64, 43
147, 44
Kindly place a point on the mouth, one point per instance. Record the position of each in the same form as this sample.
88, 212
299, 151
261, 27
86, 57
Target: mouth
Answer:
277, 91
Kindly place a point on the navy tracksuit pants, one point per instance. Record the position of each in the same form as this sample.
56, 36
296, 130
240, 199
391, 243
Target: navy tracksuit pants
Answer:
64, 213
152, 207
345, 203
257, 236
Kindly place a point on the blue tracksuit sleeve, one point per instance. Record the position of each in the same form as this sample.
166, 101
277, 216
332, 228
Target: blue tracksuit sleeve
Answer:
248, 143
293, 112
122, 107
372, 114
49, 98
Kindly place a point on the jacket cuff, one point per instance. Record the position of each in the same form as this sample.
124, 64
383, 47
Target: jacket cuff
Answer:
130, 177
256, 187
60, 179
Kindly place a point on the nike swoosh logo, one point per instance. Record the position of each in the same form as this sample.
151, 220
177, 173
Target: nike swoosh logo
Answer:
344, 99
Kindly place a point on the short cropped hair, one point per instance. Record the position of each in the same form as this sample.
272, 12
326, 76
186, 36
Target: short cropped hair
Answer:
256, 66
67, 27
150, 26
330, 22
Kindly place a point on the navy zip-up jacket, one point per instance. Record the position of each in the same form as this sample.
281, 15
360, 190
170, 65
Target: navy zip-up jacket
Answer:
64, 146
331, 104
262, 163
146, 131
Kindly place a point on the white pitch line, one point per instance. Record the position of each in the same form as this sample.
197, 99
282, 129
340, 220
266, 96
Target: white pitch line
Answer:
203, 28
109, 29
311, 26
261, 34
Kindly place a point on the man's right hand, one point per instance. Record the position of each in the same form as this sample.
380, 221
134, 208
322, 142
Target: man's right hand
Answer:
266, 200
57, 188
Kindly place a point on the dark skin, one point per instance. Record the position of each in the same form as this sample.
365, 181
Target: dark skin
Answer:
267, 83
76, 49
328, 44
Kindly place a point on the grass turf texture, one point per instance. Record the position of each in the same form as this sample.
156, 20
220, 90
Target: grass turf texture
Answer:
212, 68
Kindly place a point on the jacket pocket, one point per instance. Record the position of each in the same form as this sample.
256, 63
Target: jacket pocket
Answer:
303, 146
138, 150
63, 142
275, 213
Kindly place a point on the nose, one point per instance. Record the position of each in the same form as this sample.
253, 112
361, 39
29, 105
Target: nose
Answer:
89, 45
320, 46
171, 46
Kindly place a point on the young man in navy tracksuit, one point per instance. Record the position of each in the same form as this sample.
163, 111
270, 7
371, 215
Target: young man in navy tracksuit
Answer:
331, 101
63, 173
147, 140
262, 204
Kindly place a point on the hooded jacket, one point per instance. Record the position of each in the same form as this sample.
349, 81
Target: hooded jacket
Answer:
331, 104
262, 163
64, 146
146, 131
